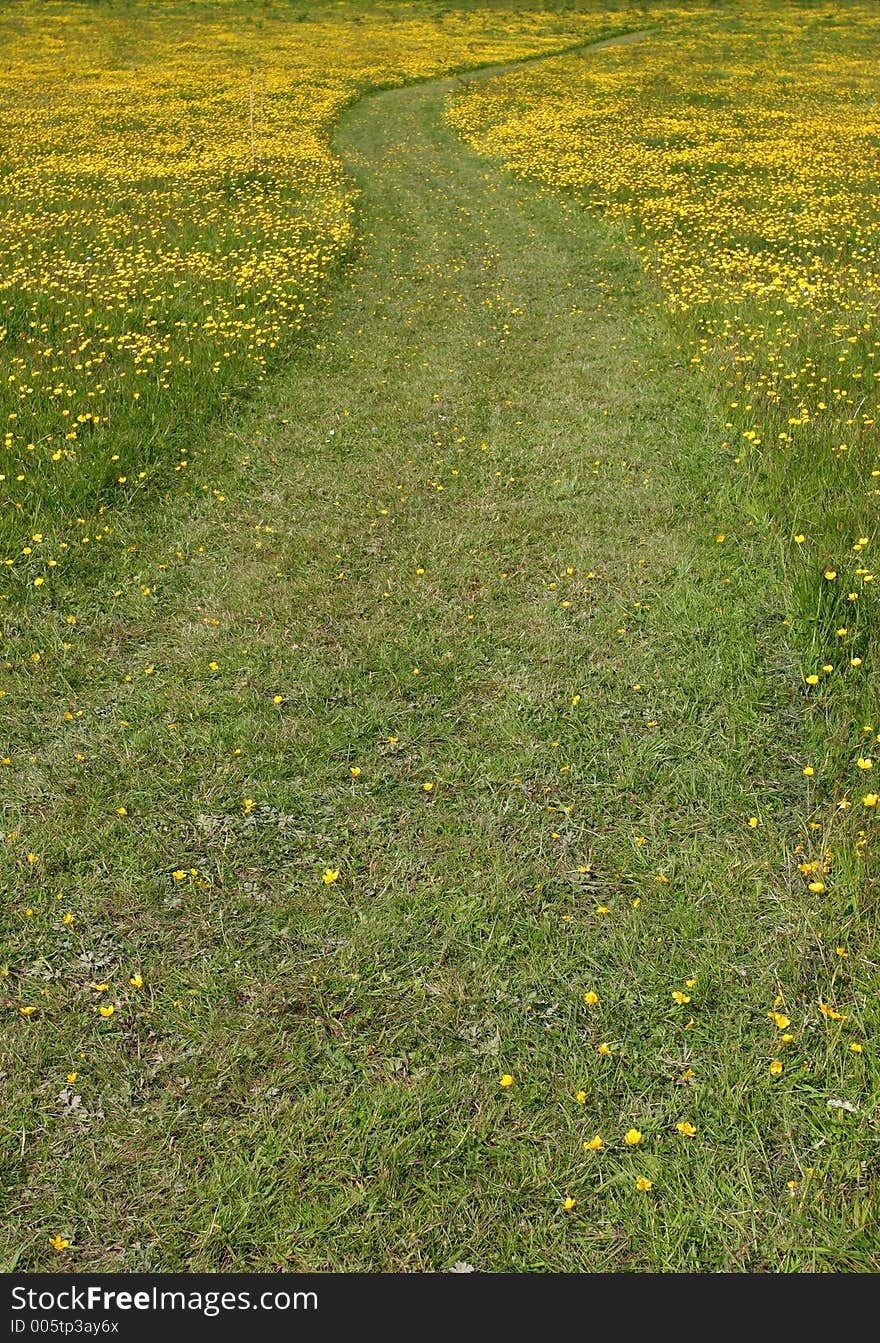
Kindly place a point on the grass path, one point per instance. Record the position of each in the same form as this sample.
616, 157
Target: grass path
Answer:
468, 544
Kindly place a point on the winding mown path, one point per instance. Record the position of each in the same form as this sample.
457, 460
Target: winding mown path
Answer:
524, 717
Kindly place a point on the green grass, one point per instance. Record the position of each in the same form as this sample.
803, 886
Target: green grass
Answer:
308, 1077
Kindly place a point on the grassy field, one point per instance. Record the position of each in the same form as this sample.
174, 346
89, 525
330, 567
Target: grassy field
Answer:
410, 854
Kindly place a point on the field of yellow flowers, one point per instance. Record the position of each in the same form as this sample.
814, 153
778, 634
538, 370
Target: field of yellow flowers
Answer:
738, 154
170, 213
438, 632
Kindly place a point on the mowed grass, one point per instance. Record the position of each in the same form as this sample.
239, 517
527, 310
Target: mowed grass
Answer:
442, 611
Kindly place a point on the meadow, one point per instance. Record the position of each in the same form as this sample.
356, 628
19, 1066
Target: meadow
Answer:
170, 218
437, 701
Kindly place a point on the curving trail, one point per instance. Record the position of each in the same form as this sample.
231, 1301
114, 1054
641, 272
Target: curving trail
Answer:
493, 491
497, 444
